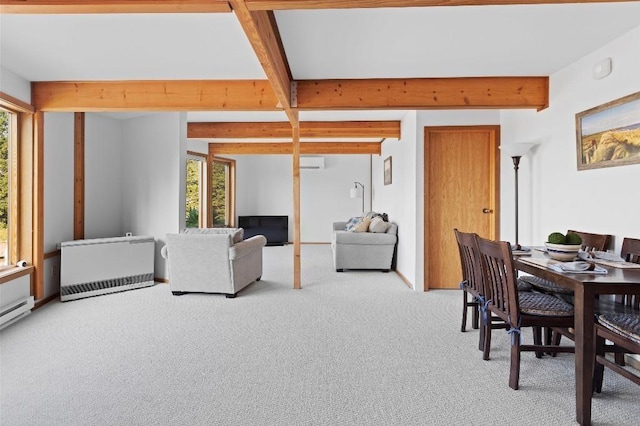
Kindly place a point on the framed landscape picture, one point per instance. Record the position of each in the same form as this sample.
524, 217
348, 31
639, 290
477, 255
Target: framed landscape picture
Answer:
609, 135
387, 171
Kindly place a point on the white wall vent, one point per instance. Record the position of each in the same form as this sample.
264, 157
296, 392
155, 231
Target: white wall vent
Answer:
312, 162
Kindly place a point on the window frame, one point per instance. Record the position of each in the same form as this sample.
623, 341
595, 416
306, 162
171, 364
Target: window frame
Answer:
230, 190
26, 209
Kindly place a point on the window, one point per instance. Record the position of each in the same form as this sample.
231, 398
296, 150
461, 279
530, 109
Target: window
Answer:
210, 191
6, 142
222, 192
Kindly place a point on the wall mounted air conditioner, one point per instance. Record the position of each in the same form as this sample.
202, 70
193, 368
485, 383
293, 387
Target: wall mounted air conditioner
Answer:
105, 265
312, 162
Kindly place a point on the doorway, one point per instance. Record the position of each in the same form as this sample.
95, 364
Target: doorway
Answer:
461, 190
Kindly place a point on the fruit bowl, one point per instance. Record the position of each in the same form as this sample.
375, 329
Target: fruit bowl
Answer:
563, 252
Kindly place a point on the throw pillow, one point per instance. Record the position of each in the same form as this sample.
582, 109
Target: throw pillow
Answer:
377, 225
363, 226
352, 223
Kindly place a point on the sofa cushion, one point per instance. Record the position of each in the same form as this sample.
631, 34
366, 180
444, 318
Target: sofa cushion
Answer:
362, 226
377, 225
363, 238
236, 234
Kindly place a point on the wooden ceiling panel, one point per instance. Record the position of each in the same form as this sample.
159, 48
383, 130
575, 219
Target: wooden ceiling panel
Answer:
424, 93
172, 95
361, 4
309, 129
286, 148
113, 6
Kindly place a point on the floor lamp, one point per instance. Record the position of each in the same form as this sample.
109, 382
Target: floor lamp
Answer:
516, 151
358, 192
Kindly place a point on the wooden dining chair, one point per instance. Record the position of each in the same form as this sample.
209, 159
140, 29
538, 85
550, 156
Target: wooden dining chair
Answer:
627, 303
519, 309
624, 331
473, 285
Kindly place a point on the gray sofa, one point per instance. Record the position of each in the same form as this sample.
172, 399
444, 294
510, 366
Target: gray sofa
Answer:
363, 250
211, 260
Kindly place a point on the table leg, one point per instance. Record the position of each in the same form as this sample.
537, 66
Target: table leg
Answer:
584, 339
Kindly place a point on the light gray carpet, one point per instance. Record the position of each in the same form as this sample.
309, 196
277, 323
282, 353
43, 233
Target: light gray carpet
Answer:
356, 348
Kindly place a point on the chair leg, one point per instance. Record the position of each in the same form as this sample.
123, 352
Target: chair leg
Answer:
514, 373
230, 296
475, 317
598, 369
619, 358
465, 307
177, 293
556, 337
487, 338
537, 339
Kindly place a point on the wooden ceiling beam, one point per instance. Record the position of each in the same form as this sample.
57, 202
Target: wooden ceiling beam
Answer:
308, 129
258, 95
362, 4
424, 93
113, 6
286, 148
172, 95
262, 31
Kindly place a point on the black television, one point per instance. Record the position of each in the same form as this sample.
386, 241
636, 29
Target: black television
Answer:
274, 228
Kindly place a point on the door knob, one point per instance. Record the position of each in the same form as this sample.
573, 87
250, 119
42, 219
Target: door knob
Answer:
487, 211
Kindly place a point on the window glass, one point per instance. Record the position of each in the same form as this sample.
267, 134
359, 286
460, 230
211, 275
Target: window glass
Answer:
5, 185
219, 193
194, 193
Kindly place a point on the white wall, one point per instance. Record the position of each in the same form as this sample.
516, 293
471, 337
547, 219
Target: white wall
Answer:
555, 194
14, 85
103, 177
58, 192
265, 187
153, 182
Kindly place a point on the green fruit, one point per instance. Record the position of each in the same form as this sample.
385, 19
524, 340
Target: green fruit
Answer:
557, 238
573, 239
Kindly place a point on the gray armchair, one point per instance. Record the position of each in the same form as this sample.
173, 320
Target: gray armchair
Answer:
213, 261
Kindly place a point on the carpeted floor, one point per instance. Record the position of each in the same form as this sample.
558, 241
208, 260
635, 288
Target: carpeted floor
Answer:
353, 348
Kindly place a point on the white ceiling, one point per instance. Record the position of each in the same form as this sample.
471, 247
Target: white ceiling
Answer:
319, 44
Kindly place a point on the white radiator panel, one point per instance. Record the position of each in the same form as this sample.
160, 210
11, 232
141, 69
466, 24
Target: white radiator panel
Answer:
15, 300
105, 265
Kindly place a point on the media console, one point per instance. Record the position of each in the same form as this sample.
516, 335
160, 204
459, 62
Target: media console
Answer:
274, 228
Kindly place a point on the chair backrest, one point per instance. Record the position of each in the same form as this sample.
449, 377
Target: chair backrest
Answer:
630, 250
631, 253
500, 279
470, 262
591, 242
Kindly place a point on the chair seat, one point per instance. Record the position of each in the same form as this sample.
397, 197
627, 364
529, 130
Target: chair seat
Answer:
523, 285
627, 325
544, 285
544, 305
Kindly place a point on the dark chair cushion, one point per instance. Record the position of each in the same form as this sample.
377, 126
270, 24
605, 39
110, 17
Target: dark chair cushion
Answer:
627, 325
544, 285
539, 304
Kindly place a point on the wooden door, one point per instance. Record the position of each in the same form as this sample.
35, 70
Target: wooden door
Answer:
461, 191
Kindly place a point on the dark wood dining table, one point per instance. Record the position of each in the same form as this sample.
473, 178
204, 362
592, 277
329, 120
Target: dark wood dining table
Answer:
586, 288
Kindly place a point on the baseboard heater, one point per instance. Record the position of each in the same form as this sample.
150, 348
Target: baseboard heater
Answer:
16, 310
105, 265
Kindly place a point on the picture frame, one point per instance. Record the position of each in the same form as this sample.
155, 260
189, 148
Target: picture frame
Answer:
388, 174
609, 135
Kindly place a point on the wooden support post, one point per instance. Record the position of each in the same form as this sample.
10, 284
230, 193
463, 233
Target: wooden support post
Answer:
78, 177
296, 203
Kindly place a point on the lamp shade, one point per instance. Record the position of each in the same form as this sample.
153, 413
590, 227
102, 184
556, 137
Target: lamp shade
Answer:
356, 192
517, 149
